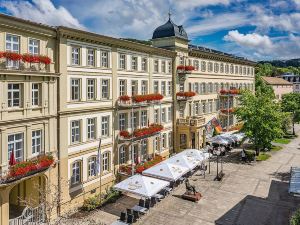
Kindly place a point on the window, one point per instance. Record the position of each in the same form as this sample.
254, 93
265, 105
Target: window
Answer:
91, 57
156, 87
35, 90
196, 88
222, 68
181, 111
203, 107
144, 118
91, 84
76, 173
236, 70
163, 66
16, 144
92, 163
163, 88
122, 154
210, 67
210, 106
134, 87
203, 66
244, 70
170, 140
181, 60
170, 114
122, 87
75, 131
134, 120
169, 88
241, 70
134, 63
14, 95
75, 89
104, 59
105, 161
169, 67
122, 121
105, 89
156, 116
144, 149
164, 141
196, 64
196, 108
91, 128
144, 64
12, 45
181, 86
163, 115
144, 87
122, 61
155, 144
216, 67
156, 66
105, 126
75, 56
231, 69
33, 46
226, 68
183, 140
36, 142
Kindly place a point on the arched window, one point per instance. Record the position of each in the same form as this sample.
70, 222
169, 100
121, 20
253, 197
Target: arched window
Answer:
236, 70
122, 154
226, 68
92, 166
203, 66
76, 172
222, 68
231, 68
216, 89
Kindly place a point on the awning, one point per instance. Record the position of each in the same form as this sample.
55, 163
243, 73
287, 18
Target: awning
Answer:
141, 185
166, 171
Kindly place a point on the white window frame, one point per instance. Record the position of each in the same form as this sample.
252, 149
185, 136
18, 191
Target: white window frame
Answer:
104, 59
91, 128
122, 61
90, 57
75, 131
37, 142
105, 88
75, 89
75, 55
91, 89
16, 145
12, 45
14, 101
33, 46
76, 173
105, 126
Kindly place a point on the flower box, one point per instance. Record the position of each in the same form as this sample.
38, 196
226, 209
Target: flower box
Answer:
28, 58
185, 95
137, 133
147, 98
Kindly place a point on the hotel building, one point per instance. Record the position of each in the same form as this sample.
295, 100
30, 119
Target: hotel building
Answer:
135, 101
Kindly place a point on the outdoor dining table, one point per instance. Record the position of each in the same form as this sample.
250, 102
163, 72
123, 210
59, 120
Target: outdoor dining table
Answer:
138, 208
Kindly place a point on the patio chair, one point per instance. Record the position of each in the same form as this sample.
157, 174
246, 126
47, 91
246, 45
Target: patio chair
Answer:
123, 217
147, 203
136, 214
153, 201
130, 219
142, 203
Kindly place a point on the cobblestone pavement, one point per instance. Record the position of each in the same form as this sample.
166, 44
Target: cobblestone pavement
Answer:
249, 194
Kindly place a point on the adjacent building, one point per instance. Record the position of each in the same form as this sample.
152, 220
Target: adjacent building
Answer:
279, 85
294, 79
97, 105
28, 114
206, 85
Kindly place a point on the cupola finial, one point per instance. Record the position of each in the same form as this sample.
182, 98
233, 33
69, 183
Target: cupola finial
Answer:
169, 13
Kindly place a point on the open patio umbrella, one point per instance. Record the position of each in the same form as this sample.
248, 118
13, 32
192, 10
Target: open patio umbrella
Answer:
194, 153
184, 161
166, 171
219, 140
142, 186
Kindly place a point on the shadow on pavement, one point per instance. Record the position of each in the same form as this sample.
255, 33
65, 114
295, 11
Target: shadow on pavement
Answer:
276, 209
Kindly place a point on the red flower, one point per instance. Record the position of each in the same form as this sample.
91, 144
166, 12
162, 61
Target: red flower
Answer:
124, 98
180, 67
12, 56
124, 134
44, 59
148, 97
30, 58
189, 68
187, 94
223, 91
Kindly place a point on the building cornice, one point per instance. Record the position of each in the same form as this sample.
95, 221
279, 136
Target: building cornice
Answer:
219, 57
94, 38
28, 73
14, 23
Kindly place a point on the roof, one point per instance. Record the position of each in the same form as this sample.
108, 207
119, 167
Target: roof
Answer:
295, 181
276, 81
170, 29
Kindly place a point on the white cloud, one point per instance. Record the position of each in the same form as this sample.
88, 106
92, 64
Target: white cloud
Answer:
187, 4
42, 11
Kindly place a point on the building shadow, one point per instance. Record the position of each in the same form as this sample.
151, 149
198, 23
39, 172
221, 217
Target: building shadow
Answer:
276, 209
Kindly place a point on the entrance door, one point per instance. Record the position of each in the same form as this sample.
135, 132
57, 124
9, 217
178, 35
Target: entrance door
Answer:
193, 140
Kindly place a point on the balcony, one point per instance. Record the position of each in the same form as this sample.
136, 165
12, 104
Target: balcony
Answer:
141, 133
24, 62
139, 100
192, 122
185, 96
25, 169
231, 92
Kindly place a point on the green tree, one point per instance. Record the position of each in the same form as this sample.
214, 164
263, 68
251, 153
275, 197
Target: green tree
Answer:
262, 118
291, 104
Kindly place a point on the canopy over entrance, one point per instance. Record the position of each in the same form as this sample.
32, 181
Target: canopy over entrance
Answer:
141, 185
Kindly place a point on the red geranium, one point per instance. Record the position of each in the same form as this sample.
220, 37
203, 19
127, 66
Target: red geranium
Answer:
12, 56
223, 91
187, 94
180, 67
30, 58
124, 98
148, 97
124, 133
44, 59
189, 68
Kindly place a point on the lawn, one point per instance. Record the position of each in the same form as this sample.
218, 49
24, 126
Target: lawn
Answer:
275, 148
262, 156
282, 141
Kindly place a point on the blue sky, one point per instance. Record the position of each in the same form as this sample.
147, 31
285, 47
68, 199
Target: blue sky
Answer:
256, 29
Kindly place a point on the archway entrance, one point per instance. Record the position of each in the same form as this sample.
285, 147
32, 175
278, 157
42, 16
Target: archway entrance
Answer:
26, 194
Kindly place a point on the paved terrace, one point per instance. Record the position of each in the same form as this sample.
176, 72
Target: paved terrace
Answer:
249, 194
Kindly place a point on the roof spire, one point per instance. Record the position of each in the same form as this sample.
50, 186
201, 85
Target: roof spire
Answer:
169, 13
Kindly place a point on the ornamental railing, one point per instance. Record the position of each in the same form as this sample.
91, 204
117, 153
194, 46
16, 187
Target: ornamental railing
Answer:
184, 96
